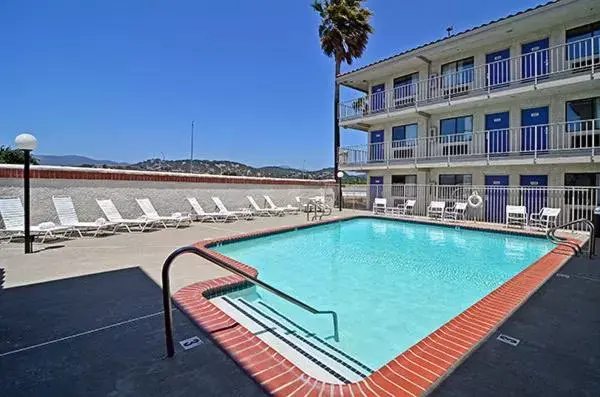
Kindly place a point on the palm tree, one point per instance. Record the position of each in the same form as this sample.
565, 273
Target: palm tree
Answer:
344, 33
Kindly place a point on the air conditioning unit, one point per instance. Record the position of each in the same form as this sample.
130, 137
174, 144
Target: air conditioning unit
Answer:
432, 131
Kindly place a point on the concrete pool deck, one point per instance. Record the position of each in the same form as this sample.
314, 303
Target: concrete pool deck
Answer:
97, 301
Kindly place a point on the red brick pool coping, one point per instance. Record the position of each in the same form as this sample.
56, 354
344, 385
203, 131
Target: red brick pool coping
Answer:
413, 373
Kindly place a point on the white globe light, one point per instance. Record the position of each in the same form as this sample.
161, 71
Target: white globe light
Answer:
340, 174
26, 142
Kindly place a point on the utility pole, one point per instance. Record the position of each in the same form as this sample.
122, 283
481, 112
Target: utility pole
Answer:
192, 147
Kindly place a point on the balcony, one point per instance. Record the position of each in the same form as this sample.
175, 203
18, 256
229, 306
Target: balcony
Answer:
567, 63
567, 142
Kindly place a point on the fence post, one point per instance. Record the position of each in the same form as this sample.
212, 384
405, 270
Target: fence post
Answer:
488, 78
535, 69
487, 142
535, 133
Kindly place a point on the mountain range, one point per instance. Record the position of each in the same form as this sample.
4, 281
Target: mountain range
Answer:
212, 167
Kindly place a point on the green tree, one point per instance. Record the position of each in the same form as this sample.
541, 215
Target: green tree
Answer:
344, 33
13, 156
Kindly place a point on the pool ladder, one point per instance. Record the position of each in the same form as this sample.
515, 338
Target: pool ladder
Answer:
166, 284
576, 248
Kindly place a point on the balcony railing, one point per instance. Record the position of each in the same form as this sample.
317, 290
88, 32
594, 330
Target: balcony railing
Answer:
559, 139
526, 69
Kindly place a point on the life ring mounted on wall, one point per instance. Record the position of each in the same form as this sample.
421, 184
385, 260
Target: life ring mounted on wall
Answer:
475, 200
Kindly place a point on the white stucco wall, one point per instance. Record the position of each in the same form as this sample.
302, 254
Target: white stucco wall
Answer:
167, 197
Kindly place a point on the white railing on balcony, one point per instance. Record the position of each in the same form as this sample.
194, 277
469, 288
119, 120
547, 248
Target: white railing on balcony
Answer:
558, 139
531, 68
575, 202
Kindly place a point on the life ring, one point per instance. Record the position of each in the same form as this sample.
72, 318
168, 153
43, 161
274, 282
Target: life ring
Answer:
475, 200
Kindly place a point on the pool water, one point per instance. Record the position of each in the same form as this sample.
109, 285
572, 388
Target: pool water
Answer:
392, 283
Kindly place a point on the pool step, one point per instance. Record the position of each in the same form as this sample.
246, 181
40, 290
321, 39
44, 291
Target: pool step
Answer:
310, 353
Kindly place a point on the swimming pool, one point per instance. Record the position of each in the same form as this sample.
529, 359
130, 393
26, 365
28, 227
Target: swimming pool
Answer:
392, 283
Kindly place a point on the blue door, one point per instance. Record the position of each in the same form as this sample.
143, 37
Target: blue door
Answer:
534, 59
376, 152
378, 98
496, 198
376, 185
534, 129
497, 125
498, 68
535, 192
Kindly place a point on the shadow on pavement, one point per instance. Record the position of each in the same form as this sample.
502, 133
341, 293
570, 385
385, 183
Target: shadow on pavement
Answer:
102, 335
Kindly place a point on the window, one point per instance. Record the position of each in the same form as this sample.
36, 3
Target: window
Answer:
450, 128
404, 89
455, 179
579, 44
457, 74
583, 120
400, 188
404, 179
582, 196
405, 132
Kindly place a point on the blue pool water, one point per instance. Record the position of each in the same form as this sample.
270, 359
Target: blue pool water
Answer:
391, 283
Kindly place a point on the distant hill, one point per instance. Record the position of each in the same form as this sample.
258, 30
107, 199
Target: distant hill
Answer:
212, 167
72, 160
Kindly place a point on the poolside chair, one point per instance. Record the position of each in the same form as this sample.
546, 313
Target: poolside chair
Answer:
13, 216
545, 219
456, 212
263, 211
289, 209
176, 219
241, 213
201, 215
379, 206
304, 205
406, 209
113, 215
436, 209
516, 215
67, 216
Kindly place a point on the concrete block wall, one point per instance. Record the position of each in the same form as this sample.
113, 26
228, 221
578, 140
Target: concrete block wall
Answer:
168, 191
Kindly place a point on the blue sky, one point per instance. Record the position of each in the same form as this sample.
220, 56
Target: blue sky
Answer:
122, 80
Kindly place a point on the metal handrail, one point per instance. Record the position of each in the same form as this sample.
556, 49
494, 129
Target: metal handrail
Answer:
166, 283
550, 234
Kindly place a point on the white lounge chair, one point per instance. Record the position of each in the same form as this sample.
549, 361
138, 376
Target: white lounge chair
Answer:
13, 216
202, 215
176, 219
113, 215
516, 215
241, 213
456, 212
67, 216
289, 209
303, 203
436, 209
405, 209
263, 211
379, 206
545, 219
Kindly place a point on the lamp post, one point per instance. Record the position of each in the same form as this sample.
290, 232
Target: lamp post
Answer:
27, 143
340, 175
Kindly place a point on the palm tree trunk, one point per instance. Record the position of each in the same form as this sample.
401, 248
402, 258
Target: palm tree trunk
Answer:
336, 125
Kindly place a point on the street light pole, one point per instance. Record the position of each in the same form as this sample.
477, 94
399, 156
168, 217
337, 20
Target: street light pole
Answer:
340, 175
26, 143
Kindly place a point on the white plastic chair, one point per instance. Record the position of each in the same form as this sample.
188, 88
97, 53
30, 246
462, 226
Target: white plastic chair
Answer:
457, 211
516, 215
242, 213
13, 217
545, 219
263, 211
67, 216
175, 219
202, 215
289, 209
113, 215
379, 206
436, 209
